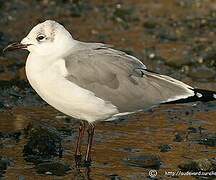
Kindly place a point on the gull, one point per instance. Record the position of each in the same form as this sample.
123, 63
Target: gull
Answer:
94, 82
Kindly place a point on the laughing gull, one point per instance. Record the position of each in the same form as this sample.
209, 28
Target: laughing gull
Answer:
93, 82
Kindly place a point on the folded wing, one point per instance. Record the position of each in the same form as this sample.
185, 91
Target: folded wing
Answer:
121, 79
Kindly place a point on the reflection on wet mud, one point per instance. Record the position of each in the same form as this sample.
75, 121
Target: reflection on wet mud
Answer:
128, 147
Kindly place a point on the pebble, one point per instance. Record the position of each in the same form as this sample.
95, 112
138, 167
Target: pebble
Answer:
202, 73
165, 148
178, 137
144, 161
4, 163
210, 140
152, 56
53, 168
44, 143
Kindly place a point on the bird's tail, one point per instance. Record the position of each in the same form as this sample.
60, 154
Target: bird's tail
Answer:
173, 91
199, 95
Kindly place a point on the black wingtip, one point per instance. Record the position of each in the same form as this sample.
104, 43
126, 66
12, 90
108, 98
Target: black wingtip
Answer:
199, 95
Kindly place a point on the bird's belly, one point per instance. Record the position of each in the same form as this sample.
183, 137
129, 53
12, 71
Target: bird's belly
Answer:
69, 98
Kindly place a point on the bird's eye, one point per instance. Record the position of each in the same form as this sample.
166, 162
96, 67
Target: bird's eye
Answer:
40, 37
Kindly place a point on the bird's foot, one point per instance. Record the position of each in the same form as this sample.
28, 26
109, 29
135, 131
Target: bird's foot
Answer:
87, 163
82, 163
78, 159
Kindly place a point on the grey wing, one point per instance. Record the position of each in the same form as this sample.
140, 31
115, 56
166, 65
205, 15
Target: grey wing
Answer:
121, 79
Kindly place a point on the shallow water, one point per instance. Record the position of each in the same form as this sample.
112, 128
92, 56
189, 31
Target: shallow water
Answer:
137, 135
172, 37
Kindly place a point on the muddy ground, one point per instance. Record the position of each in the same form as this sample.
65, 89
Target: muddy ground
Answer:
172, 37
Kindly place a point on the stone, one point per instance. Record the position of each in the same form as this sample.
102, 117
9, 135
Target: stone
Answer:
202, 73
144, 161
165, 148
53, 168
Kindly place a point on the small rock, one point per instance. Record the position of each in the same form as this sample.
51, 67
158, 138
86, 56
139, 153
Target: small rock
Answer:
18, 93
21, 177
202, 73
53, 168
150, 24
177, 62
11, 135
129, 150
210, 140
4, 163
48, 173
178, 138
114, 177
165, 148
192, 130
44, 142
166, 35
144, 161
152, 56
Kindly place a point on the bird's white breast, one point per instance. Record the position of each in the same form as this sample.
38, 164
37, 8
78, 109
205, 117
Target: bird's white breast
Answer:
48, 80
